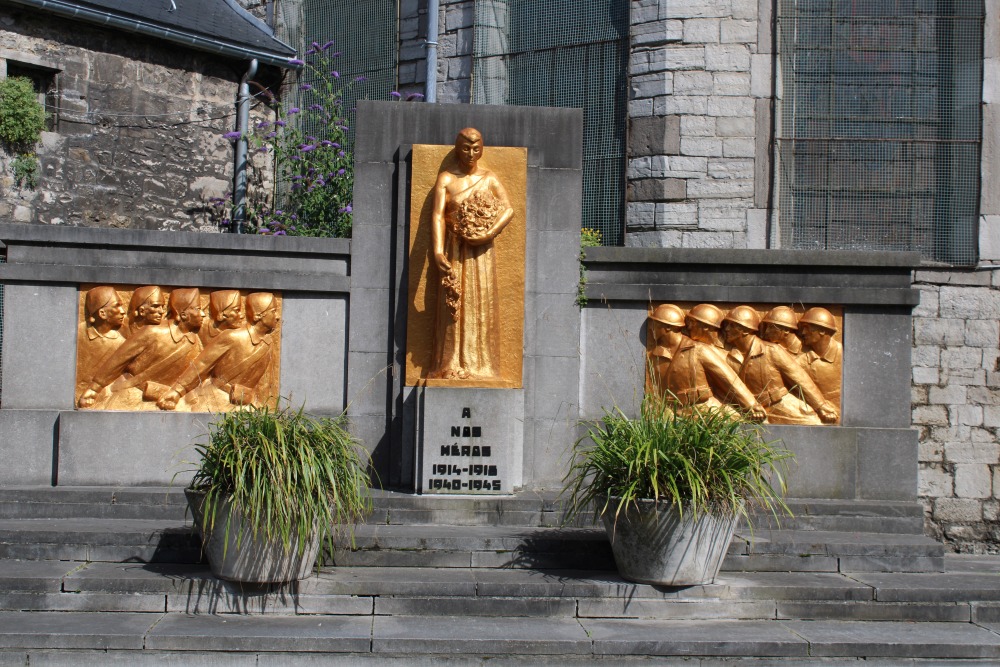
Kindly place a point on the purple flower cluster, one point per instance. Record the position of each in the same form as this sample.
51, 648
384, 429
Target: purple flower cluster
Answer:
316, 169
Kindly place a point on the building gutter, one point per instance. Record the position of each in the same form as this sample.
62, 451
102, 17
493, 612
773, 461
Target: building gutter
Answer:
240, 168
430, 87
192, 40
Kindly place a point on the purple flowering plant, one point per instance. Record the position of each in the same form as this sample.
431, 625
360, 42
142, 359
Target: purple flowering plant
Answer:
314, 175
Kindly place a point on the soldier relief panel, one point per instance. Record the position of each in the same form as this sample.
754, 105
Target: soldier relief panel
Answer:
176, 348
773, 364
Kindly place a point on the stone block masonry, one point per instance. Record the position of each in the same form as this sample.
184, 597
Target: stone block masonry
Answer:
690, 70
137, 140
956, 404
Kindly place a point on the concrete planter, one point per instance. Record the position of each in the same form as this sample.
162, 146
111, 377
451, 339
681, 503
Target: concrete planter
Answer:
654, 545
253, 560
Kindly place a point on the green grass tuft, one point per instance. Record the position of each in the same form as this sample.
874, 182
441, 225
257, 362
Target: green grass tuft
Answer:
291, 474
697, 461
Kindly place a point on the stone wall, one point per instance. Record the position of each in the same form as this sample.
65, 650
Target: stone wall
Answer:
700, 175
138, 138
956, 377
44, 440
700, 170
871, 455
956, 403
696, 72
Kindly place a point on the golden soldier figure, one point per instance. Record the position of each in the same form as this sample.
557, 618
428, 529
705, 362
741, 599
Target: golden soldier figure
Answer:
146, 308
779, 326
100, 333
769, 371
824, 355
225, 311
682, 370
234, 363
151, 359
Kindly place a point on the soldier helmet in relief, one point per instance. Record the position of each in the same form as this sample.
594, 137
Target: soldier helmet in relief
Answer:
668, 314
745, 316
707, 313
781, 316
820, 317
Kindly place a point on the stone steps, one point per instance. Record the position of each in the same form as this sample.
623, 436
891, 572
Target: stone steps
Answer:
146, 613
160, 541
135, 587
33, 502
149, 524
393, 508
156, 639
547, 548
112, 576
111, 540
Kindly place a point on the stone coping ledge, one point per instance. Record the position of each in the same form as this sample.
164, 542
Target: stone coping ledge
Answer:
849, 278
40, 254
847, 296
30, 234
848, 260
234, 279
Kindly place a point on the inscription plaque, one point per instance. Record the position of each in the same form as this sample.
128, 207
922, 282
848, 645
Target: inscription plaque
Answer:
471, 441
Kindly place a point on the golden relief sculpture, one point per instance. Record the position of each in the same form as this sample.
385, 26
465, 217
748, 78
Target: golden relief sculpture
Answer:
99, 334
466, 315
169, 356
779, 368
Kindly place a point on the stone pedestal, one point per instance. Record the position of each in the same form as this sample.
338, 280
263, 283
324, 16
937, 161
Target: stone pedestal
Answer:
470, 441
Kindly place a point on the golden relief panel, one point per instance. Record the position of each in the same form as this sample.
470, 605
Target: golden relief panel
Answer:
775, 364
465, 324
176, 348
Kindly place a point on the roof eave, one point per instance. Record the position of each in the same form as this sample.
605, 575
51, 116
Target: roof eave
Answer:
182, 37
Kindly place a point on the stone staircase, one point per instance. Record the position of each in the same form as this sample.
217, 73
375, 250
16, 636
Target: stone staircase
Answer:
114, 576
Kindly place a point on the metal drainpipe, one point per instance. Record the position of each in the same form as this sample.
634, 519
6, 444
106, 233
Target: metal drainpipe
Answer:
240, 169
430, 86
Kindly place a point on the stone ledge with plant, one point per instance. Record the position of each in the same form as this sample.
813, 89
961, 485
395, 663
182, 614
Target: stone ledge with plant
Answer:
670, 486
274, 484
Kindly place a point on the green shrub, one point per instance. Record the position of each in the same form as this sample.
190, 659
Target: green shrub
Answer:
697, 461
22, 117
25, 168
289, 473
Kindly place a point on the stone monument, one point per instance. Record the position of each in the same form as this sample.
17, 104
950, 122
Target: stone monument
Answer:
464, 349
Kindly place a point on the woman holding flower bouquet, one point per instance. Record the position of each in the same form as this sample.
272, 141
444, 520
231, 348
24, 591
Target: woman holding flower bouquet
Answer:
470, 210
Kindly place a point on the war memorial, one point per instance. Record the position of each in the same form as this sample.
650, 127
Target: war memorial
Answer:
800, 230
449, 328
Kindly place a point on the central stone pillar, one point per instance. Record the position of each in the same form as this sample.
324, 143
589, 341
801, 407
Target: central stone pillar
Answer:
464, 295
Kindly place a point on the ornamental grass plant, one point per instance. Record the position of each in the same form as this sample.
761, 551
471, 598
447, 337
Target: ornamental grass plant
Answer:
292, 476
698, 461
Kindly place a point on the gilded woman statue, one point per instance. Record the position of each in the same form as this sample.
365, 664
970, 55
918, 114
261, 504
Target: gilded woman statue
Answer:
470, 209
